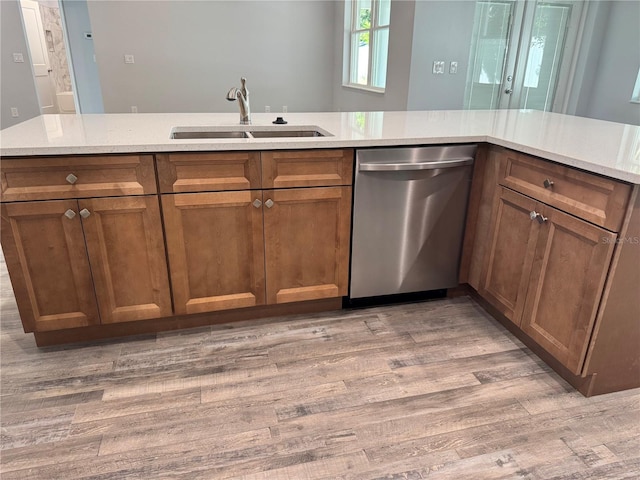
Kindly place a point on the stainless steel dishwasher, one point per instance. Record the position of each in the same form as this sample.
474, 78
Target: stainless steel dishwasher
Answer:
408, 218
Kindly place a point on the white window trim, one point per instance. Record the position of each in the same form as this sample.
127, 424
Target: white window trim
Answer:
350, 23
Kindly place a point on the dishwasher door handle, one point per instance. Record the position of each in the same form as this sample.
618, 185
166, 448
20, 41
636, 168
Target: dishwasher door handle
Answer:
397, 167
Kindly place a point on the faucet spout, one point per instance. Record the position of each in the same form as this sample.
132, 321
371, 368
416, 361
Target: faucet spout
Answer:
242, 96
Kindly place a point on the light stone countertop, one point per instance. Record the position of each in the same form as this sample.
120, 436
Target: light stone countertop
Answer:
606, 148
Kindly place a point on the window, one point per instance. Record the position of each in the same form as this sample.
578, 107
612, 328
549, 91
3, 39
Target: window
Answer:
368, 22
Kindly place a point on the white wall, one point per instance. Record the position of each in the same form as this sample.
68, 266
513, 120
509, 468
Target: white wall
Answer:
188, 54
17, 88
618, 64
85, 69
442, 31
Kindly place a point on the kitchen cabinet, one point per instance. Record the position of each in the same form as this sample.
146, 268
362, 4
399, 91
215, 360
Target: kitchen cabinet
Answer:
307, 237
234, 243
546, 274
215, 244
543, 249
84, 261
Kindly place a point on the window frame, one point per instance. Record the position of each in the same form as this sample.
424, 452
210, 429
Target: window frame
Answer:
352, 31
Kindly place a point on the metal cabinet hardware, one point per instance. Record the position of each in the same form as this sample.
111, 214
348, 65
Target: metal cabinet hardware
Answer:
269, 203
84, 213
547, 183
537, 216
71, 178
69, 214
257, 203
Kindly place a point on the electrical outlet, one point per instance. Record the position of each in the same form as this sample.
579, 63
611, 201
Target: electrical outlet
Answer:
134, 109
284, 109
438, 67
129, 59
453, 68
14, 112
18, 58
267, 108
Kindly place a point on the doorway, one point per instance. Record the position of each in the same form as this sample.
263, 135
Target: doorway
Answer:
45, 39
521, 54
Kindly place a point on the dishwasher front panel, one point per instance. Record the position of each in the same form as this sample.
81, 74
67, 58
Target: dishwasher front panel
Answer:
408, 221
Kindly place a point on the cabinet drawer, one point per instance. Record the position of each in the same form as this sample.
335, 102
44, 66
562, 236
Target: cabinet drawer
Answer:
208, 172
307, 168
77, 177
599, 200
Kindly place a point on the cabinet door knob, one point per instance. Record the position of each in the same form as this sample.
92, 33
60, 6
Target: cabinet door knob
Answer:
534, 216
257, 203
69, 214
84, 213
269, 203
71, 178
547, 183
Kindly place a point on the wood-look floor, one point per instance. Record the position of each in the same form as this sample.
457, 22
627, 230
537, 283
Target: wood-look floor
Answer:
432, 390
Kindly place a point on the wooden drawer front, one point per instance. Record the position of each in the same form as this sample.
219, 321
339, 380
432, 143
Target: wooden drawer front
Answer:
307, 168
208, 172
106, 176
598, 200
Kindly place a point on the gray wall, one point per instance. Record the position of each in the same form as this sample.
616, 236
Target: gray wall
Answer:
17, 88
618, 64
85, 69
442, 31
188, 54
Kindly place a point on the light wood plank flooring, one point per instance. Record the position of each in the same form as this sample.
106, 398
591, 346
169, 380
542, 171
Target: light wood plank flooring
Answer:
432, 390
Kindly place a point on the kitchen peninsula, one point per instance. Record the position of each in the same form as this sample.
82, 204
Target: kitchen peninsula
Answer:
551, 243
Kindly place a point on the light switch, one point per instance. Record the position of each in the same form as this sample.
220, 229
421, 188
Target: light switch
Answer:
438, 67
453, 68
129, 59
18, 58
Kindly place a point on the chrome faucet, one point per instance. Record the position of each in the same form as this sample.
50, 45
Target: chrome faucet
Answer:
242, 96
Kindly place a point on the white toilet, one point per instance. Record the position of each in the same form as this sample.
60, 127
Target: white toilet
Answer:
65, 102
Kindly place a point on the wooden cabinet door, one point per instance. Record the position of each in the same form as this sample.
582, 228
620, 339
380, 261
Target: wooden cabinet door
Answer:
216, 250
508, 260
48, 265
307, 237
569, 270
126, 252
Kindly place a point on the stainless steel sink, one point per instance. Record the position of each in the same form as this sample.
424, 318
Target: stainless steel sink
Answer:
285, 133
244, 132
181, 135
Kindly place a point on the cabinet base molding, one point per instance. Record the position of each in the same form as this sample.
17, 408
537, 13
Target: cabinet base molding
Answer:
589, 385
107, 331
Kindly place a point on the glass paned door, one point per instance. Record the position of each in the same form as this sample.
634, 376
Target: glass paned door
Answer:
548, 47
521, 53
493, 38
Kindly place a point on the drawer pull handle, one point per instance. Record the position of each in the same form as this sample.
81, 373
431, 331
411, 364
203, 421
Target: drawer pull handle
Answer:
71, 178
533, 215
69, 214
84, 213
547, 183
257, 203
269, 203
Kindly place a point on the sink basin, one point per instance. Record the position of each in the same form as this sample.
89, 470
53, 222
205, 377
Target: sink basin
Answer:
243, 132
285, 133
180, 133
